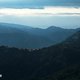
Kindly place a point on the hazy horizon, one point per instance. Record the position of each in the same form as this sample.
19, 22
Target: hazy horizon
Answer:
41, 14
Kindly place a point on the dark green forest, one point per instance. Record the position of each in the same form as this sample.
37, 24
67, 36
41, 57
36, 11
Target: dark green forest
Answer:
58, 62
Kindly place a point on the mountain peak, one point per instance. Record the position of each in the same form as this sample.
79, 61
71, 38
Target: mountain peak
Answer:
54, 28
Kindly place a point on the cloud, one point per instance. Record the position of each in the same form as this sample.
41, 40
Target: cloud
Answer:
46, 11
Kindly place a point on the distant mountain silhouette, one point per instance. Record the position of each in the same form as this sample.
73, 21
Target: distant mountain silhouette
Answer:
54, 28
58, 62
21, 36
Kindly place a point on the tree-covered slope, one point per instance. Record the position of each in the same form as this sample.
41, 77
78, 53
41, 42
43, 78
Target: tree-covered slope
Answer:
58, 62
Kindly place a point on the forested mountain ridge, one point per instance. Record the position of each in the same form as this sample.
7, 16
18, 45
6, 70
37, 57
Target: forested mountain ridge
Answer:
58, 62
66, 60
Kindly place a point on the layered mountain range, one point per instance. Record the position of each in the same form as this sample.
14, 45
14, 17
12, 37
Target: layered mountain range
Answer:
58, 62
20, 36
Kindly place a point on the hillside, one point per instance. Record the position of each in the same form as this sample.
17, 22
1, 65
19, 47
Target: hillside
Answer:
62, 61
59, 62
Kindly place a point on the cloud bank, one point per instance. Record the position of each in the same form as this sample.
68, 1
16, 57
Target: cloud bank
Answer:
46, 11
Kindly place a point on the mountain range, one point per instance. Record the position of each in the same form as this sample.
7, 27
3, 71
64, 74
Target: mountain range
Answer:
20, 36
57, 62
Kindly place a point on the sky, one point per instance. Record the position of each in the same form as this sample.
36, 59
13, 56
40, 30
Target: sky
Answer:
41, 13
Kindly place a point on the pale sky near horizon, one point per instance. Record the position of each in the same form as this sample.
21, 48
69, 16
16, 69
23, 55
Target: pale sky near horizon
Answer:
41, 13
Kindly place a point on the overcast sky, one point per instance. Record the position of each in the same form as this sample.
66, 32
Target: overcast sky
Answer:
41, 13
26, 3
